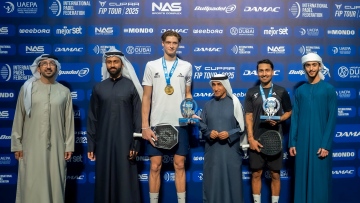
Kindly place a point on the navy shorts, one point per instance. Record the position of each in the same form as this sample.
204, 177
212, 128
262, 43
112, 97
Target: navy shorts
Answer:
182, 147
258, 160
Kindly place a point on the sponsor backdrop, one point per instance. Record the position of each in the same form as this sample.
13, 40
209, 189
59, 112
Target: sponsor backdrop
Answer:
227, 37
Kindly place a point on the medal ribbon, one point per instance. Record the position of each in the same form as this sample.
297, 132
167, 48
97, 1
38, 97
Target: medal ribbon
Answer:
168, 75
263, 94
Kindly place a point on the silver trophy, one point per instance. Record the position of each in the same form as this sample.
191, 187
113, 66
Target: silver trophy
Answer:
188, 108
270, 106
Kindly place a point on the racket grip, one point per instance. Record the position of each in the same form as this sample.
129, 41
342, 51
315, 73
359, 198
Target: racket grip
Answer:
140, 135
245, 146
137, 134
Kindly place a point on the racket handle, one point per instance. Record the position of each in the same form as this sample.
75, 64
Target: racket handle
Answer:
140, 135
137, 134
245, 146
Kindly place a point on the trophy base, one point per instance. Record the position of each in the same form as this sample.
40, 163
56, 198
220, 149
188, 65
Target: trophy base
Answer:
186, 121
275, 118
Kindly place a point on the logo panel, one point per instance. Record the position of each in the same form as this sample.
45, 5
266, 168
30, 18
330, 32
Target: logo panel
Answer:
346, 111
7, 95
308, 10
215, 9
34, 30
104, 30
69, 49
343, 154
204, 71
69, 9
74, 72
32, 8
346, 93
261, 9
347, 133
280, 50
126, 9
347, 11
347, 72
167, 9
314, 32
335, 50
7, 49
139, 30
100, 49
68, 30
34, 49
301, 49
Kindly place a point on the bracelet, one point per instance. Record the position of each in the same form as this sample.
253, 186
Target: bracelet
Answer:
145, 128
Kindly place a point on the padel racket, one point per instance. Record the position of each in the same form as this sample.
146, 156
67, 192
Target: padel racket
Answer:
167, 136
271, 142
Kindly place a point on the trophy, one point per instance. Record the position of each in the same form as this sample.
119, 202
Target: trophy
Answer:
270, 106
188, 108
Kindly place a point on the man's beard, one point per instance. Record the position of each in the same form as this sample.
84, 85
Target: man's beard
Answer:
115, 74
317, 73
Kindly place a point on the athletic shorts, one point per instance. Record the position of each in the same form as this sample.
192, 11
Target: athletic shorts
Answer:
258, 160
182, 147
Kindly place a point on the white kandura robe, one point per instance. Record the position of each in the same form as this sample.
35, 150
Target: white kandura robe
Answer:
44, 137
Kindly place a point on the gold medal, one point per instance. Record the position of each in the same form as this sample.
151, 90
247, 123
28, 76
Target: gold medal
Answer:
169, 90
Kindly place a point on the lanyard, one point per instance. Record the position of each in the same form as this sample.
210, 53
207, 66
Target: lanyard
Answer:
263, 94
168, 75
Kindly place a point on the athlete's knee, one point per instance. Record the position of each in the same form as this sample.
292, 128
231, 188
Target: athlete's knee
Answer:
275, 175
256, 175
155, 166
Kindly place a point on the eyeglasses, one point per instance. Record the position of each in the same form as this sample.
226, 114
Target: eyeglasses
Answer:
46, 64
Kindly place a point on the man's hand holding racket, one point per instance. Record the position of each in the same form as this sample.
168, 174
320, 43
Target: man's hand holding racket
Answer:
149, 135
255, 145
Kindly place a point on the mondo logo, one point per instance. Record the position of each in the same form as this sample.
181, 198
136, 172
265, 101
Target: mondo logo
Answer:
7, 95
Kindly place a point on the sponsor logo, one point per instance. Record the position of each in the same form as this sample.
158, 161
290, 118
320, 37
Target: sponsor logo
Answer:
346, 111
138, 31
32, 8
8, 178
5, 137
68, 30
113, 9
198, 157
7, 30
205, 71
276, 49
79, 178
7, 49
75, 72
242, 49
262, 9
200, 49
343, 154
347, 11
143, 177
34, 30
79, 113
7, 160
242, 31
276, 31
183, 49
104, 30
341, 32
7, 95
305, 49
347, 72
145, 159
69, 49
139, 49
70, 8
208, 31
308, 32
34, 49
308, 10
197, 176
77, 95
246, 174
100, 49
341, 50
343, 172
166, 8
183, 30
284, 174
7, 114
345, 93
169, 176
214, 11
248, 72
77, 159
265, 9
347, 133
167, 159
15, 72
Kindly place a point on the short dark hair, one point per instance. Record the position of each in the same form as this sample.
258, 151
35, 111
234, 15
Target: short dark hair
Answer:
266, 61
170, 33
